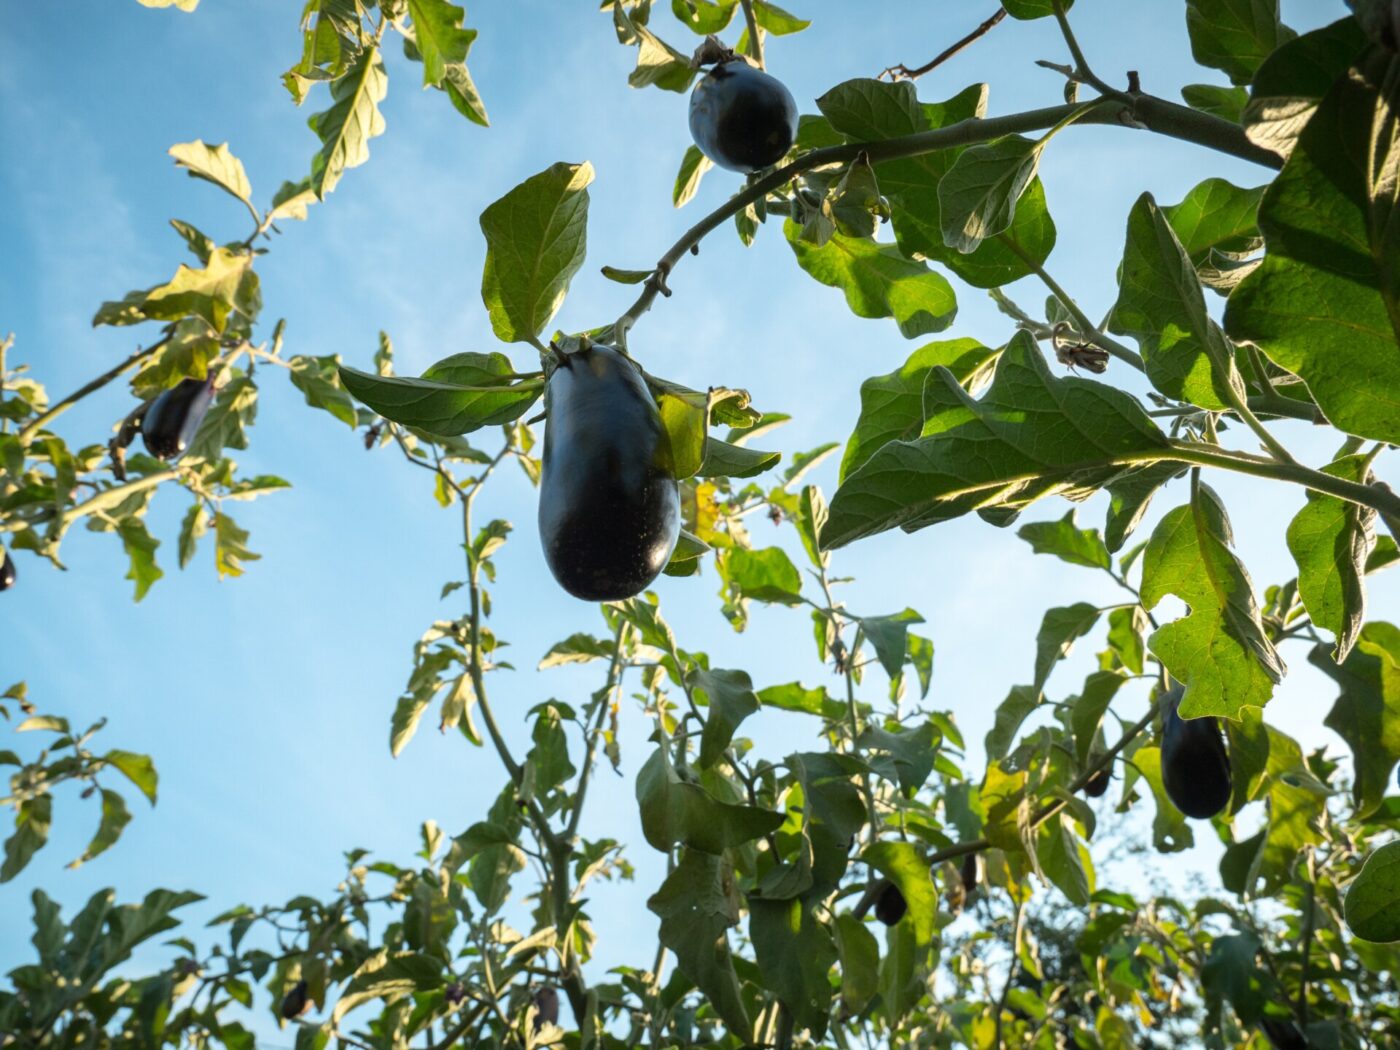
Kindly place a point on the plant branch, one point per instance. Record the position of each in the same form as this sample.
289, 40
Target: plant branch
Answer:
903, 72
1010, 969
58, 408
614, 683
755, 40
1082, 70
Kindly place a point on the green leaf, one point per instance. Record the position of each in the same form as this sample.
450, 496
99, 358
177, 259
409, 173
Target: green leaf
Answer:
1161, 305
1067, 542
1170, 831
1028, 9
408, 712
190, 348
443, 407
1330, 540
1058, 630
1216, 222
575, 649
441, 40
1219, 651
693, 167
685, 416
767, 575
677, 811
723, 460
230, 546
140, 547
1234, 36
1227, 103
1366, 714
217, 165
1011, 713
704, 17
1372, 904
977, 197
878, 281
1231, 974
549, 757
115, 817
1064, 860
32, 821
892, 405
901, 863
793, 696
1031, 435
139, 769
1291, 82
777, 21
860, 961
730, 698
612, 273
1129, 496
353, 119
658, 62
461, 91
1088, 708
889, 636
389, 977
318, 378
536, 238
179, 5
697, 904
1127, 636
1325, 303
795, 953
224, 284
226, 426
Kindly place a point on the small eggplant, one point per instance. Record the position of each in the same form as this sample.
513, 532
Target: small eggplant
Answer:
890, 906
174, 417
8, 571
1195, 762
742, 118
609, 506
1097, 785
546, 1007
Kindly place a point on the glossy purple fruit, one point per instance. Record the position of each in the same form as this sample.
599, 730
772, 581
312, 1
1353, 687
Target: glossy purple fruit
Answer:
742, 118
1097, 784
8, 572
890, 906
1195, 763
174, 417
609, 506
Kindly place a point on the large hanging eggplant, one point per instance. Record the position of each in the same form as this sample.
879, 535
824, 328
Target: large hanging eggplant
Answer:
1195, 763
174, 417
742, 118
609, 505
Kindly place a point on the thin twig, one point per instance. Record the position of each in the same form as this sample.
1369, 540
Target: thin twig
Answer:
903, 72
1010, 969
755, 39
90, 387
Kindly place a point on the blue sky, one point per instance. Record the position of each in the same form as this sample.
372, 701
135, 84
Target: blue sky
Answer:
266, 700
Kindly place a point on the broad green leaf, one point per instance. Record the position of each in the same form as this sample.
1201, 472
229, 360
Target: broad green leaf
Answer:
1366, 714
1127, 636
777, 21
1028, 9
217, 165
230, 546
1170, 831
33, 817
678, 811
1031, 435
140, 547
878, 281
389, 976
115, 817
730, 698
860, 961
793, 696
318, 378
767, 575
575, 649
226, 426
1161, 305
224, 284
408, 712
1088, 708
977, 197
1129, 496
1058, 630
1292, 80
889, 636
536, 238
658, 63
795, 953
1219, 651
461, 91
1216, 223
900, 987
442, 407
1064, 860
892, 405
1227, 103
1234, 36
704, 17
693, 167
1066, 541
1325, 303
191, 346
1011, 713
912, 753
902, 864
139, 769
179, 5
1231, 974
353, 119
1373, 899
811, 517
723, 460
685, 417
440, 38
1330, 540
697, 904
549, 757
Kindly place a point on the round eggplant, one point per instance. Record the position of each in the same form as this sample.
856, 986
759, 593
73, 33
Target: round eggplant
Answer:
609, 505
742, 118
8, 572
174, 417
1097, 785
546, 1007
1195, 762
890, 906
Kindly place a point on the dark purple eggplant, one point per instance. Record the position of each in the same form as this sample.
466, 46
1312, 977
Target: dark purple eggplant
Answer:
890, 906
969, 873
296, 1002
8, 572
1097, 785
546, 1007
1283, 1034
174, 417
742, 118
609, 505
1195, 763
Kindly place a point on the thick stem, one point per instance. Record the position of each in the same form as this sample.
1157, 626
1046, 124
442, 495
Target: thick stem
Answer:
755, 37
83, 391
1154, 114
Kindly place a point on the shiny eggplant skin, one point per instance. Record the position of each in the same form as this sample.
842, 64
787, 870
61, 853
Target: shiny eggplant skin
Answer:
742, 118
1195, 763
1097, 785
890, 906
609, 505
174, 417
1284, 1035
8, 572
